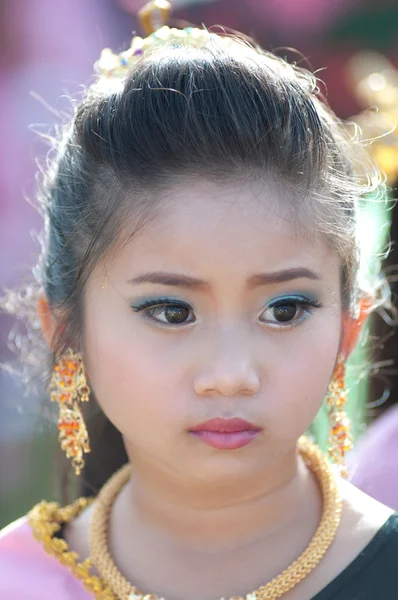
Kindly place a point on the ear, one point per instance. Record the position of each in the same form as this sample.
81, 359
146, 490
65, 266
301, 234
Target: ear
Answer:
353, 327
47, 319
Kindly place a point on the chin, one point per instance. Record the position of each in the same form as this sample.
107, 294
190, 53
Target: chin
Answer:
227, 468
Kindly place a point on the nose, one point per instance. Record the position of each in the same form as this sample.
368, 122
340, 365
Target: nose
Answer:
229, 370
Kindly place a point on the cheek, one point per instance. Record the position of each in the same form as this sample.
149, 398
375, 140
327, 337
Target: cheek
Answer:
134, 377
300, 373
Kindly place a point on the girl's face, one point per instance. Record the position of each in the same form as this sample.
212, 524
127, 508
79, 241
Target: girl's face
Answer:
217, 308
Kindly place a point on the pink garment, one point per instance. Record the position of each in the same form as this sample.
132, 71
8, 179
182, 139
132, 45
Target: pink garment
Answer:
374, 463
27, 572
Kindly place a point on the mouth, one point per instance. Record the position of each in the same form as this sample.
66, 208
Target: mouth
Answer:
226, 434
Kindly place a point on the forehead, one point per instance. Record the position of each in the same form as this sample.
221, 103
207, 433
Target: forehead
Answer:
234, 225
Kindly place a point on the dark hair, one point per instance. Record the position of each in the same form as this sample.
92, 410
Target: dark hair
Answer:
216, 107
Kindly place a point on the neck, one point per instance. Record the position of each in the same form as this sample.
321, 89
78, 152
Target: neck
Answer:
223, 517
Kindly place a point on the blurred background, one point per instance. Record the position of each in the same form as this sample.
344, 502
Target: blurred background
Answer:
47, 51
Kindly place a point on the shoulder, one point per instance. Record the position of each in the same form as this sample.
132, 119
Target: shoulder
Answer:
363, 516
361, 562
365, 550
374, 463
368, 529
27, 570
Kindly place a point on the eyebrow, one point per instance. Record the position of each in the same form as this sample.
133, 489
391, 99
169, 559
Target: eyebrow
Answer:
185, 281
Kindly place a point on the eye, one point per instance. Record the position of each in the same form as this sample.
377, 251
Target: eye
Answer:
288, 312
166, 312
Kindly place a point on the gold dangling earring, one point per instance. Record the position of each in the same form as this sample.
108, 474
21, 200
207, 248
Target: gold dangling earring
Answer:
340, 439
68, 387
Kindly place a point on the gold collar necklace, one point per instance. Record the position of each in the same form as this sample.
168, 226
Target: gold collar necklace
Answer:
277, 587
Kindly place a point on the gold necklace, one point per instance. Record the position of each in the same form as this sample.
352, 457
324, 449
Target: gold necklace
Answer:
288, 579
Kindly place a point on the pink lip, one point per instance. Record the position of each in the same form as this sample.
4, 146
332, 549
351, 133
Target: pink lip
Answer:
226, 434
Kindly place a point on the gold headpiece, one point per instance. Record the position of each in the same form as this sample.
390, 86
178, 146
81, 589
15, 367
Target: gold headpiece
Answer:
153, 18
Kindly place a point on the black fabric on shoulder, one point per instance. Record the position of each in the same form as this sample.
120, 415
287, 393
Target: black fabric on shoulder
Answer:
373, 575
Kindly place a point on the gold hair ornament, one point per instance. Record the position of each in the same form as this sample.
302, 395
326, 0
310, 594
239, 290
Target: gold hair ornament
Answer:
153, 15
153, 18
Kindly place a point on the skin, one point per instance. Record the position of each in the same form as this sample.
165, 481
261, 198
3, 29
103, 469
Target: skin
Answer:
206, 512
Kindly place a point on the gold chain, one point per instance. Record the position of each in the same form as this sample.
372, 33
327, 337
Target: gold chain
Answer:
45, 520
277, 587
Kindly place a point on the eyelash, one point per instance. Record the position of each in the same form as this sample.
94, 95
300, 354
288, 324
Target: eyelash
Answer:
151, 308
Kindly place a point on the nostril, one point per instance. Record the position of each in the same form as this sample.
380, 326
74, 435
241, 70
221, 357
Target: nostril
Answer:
218, 383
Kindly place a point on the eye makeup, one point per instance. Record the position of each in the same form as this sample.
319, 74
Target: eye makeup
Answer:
165, 312
289, 310
158, 301
284, 311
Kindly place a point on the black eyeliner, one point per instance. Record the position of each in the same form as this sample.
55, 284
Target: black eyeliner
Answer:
153, 302
302, 300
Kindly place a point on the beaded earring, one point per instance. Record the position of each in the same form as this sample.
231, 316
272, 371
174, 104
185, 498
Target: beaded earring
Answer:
68, 387
340, 439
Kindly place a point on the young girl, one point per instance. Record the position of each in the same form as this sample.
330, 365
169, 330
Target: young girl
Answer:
201, 290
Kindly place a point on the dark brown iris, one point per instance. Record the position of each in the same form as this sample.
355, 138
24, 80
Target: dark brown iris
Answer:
285, 312
176, 314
